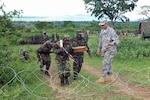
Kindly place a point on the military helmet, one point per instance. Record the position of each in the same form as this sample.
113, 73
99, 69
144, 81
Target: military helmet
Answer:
66, 37
79, 31
44, 32
79, 34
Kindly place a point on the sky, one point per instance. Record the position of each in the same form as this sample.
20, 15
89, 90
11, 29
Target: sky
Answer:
60, 7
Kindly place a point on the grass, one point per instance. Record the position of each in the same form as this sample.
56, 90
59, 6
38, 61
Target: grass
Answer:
34, 86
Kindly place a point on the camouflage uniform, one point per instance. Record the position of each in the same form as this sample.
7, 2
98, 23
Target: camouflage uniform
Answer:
25, 54
53, 38
57, 37
45, 37
43, 54
86, 43
108, 36
78, 56
62, 60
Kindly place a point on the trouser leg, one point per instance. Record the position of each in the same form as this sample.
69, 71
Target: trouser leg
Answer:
75, 71
41, 67
47, 69
62, 83
107, 67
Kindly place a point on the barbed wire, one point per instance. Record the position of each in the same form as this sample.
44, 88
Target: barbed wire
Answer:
84, 86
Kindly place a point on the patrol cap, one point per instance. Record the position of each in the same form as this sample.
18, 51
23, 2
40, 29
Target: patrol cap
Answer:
102, 22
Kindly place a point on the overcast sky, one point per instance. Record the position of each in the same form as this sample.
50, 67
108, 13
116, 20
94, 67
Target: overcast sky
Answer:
59, 7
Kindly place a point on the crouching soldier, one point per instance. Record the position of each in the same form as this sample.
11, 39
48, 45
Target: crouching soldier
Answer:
43, 55
24, 54
62, 50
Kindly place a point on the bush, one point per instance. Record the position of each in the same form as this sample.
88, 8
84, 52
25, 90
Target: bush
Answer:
133, 47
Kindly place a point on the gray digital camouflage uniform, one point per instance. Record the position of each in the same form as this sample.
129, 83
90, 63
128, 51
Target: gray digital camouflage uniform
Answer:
108, 36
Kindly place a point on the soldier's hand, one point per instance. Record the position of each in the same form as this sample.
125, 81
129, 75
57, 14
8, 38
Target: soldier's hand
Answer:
110, 44
98, 52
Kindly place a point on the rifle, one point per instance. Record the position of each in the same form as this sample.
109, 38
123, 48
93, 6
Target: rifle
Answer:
61, 46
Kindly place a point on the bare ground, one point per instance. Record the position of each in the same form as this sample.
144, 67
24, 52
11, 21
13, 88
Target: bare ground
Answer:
130, 89
138, 93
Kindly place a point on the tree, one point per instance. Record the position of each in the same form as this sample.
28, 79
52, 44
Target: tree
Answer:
145, 10
5, 18
110, 9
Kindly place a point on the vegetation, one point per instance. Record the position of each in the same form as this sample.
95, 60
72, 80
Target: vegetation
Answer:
110, 9
145, 10
20, 79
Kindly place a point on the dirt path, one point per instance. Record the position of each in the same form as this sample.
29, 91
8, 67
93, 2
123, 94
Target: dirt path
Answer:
63, 93
137, 92
60, 92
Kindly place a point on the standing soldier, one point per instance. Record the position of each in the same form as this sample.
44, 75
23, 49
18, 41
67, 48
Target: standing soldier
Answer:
86, 43
45, 37
108, 47
53, 38
78, 56
43, 55
62, 51
57, 37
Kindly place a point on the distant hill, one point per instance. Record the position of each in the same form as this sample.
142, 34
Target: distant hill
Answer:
79, 17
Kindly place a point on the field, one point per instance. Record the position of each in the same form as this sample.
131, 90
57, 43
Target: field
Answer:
131, 67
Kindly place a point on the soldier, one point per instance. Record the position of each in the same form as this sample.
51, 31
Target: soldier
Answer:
43, 55
53, 38
45, 37
78, 56
107, 45
86, 43
57, 37
62, 51
25, 54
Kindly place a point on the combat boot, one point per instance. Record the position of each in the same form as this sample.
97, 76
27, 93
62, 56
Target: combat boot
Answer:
109, 78
67, 81
41, 68
47, 73
62, 82
75, 76
100, 80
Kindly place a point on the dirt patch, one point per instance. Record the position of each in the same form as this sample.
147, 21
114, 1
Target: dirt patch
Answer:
60, 92
130, 89
121, 88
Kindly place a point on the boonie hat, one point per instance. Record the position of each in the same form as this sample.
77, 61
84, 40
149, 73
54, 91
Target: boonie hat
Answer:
103, 22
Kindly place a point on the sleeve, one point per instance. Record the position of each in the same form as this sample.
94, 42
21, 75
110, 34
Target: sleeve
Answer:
114, 38
100, 42
57, 50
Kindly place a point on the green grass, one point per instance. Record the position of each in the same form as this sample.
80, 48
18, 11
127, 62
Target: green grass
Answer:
30, 83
